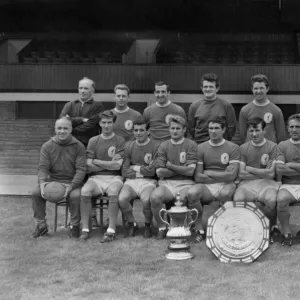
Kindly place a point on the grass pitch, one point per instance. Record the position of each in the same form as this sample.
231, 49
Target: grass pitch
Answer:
56, 267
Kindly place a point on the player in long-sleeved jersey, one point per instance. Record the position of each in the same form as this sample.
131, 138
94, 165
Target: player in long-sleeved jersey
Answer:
105, 154
158, 114
261, 107
139, 170
201, 111
216, 171
125, 115
175, 163
257, 171
288, 166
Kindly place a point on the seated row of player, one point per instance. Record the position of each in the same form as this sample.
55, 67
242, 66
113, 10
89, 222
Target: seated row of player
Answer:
201, 174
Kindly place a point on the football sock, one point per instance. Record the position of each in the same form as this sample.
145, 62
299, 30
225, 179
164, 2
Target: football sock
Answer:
86, 212
113, 209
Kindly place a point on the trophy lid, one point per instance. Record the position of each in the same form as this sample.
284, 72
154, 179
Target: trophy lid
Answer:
178, 208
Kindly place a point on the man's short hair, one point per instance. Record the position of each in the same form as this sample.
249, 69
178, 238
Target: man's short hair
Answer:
122, 87
260, 78
294, 117
254, 122
141, 121
64, 119
219, 120
178, 120
108, 114
211, 77
161, 83
93, 84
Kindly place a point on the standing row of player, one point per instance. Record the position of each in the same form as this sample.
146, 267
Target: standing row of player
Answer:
175, 169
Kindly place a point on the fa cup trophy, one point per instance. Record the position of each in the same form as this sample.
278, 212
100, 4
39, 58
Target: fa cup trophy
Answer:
179, 229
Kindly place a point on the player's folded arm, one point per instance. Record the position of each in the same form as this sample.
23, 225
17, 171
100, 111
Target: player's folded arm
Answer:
187, 170
229, 175
164, 173
244, 175
294, 165
200, 177
283, 169
267, 173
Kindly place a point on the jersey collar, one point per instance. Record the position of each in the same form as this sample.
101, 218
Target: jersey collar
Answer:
258, 104
121, 111
218, 144
177, 143
163, 105
294, 142
108, 137
259, 145
143, 144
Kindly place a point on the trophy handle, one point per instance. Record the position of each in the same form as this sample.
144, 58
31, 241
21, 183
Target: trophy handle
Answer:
162, 213
196, 216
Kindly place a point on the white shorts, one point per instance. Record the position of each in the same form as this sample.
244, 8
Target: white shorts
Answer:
259, 186
175, 186
216, 188
104, 181
139, 184
294, 189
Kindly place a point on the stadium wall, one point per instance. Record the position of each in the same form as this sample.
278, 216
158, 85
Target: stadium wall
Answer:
141, 78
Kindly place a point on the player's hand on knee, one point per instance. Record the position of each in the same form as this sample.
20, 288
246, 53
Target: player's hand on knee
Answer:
42, 186
68, 190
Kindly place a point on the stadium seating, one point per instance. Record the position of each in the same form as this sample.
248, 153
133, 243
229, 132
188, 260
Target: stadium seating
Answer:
20, 145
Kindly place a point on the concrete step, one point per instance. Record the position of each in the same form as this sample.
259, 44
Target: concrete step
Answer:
18, 171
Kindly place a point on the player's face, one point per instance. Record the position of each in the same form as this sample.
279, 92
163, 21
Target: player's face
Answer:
259, 91
161, 93
140, 133
85, 90
177, 131
256, 134
209, 90
294, 129
107, 126
121, 98
63, 129
215, 132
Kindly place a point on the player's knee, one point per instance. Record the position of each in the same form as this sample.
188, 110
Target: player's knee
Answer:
123, 200
36, 192
239, 196
86, 190
156, 199
270, 203
193, 199
75, 195
282, 203
194, 194
145, 202
226, 194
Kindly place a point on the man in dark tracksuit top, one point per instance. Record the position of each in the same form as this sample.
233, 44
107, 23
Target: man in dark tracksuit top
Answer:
62, 159
83, 113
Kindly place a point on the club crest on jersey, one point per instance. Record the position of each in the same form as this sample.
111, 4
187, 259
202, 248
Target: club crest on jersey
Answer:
264, 159
111, 151
182, 157
128, 125
225, 158
268, 117
167, 118
148, 158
